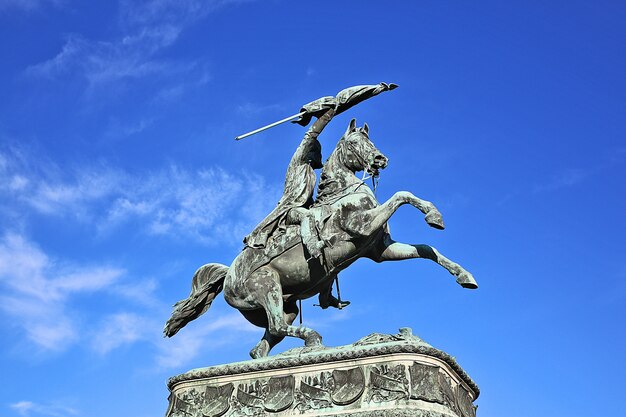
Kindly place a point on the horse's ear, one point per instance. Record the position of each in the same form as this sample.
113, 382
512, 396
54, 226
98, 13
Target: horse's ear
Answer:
351, 127
366, 128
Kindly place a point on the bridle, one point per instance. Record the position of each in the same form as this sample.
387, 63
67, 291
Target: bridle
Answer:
366, 166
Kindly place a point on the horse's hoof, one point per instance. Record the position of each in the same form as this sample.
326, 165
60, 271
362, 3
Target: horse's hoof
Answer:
261, 350
313, 340
434, 219
466, 280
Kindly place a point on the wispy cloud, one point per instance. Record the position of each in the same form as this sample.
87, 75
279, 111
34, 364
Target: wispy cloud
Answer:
38, 289
119, 130
169, 12
104, 62
41, 295
207, 205
564, 179
187, 344
29, 408
28, 5
118, 330
126, 328
147, 28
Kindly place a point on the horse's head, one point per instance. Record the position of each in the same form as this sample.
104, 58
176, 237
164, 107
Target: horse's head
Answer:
358, 151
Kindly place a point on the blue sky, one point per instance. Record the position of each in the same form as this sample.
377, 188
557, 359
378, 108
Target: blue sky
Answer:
119, 176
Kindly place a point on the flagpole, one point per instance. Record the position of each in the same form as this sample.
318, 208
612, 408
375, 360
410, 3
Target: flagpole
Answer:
286, 119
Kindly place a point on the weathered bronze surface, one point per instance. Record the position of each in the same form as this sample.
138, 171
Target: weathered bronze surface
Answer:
297, 251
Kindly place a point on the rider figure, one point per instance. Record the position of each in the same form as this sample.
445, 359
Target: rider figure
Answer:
299, 185
293, 207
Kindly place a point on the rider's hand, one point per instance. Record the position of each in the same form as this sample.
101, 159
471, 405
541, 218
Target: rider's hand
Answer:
315, 109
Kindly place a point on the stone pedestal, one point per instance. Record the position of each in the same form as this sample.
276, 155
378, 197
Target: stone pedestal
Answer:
380, 375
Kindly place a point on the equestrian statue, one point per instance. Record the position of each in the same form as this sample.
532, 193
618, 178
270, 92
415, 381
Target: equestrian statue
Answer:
298, 250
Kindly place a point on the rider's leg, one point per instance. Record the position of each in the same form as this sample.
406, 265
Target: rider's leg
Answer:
308, 232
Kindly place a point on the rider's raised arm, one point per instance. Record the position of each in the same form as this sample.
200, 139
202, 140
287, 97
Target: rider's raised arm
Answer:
310, 151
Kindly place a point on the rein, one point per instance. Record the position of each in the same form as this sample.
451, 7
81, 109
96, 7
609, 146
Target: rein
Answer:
339, 194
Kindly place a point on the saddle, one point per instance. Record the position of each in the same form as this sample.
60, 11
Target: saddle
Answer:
283, 239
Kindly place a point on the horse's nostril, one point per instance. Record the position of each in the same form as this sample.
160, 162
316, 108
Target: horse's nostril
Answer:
380, 161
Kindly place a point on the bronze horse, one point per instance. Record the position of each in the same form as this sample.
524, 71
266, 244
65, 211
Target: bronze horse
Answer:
353, 224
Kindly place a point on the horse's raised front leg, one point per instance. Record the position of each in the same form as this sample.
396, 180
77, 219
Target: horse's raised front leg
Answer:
368, 221
395, 251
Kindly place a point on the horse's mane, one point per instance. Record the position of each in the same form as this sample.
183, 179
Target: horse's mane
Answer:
330, 183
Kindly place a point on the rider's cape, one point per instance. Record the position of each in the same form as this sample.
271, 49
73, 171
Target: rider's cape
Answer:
299, 186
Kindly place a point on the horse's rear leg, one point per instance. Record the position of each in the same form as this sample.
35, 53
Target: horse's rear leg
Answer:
265, 285
269, 340
395, 251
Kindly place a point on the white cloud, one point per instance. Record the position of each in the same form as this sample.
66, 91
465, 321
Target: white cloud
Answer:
39, 294
190, 341
29, 408
206, 205
118, 330
210, 333
104, 62
140, 292
148, 27
37, 290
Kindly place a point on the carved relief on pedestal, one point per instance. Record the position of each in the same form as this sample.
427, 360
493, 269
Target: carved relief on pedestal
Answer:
279, 393
248, 399
384, 372
388, 383
425, 384
275, 395
430, 383
449, 398
349, 385
187, 403
217, 400
342, 387
464, 402
315, 392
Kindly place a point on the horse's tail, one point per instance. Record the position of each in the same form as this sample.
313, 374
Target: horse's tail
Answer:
206, 284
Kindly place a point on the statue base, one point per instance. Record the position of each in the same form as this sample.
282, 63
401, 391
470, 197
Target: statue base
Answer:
380, 375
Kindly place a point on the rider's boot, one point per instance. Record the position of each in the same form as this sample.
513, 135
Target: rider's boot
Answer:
332, 301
